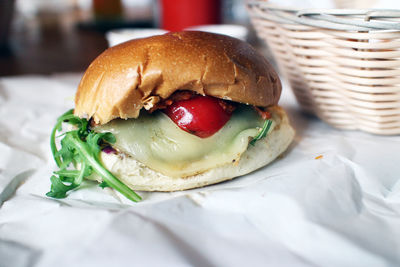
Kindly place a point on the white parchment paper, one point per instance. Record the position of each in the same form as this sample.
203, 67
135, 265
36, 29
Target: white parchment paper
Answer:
360, 4
340, 210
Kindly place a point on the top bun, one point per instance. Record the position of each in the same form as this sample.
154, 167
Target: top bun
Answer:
142, 72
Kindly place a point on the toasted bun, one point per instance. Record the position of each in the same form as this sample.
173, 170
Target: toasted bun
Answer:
139, 177
143, 72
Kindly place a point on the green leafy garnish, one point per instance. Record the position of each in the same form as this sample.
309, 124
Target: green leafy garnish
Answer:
262, 133
78, 158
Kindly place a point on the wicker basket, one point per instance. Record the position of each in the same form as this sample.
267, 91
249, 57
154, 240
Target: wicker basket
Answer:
342, 64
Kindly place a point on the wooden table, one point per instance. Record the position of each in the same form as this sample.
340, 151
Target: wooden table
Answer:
58, 44
51, 50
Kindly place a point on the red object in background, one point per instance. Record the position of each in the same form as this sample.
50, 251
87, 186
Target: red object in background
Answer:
201, 115
177, 15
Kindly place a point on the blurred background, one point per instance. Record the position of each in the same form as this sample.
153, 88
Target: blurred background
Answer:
53, 36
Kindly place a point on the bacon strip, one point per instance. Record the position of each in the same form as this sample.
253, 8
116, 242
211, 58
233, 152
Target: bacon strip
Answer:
186, 95
265, 115
177, 96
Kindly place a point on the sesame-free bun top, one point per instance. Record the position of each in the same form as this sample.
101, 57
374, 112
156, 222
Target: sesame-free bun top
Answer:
142, 72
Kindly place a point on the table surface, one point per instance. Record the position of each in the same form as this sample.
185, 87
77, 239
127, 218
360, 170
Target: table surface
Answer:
51, 49
64, 43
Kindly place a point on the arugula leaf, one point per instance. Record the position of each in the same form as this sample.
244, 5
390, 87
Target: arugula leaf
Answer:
262, 133
81, 149
58, 188
103, 185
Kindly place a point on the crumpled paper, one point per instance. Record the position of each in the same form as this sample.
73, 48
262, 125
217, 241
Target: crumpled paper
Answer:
359, 4
333, 199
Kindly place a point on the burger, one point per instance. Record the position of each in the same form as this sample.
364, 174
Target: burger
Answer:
171, 112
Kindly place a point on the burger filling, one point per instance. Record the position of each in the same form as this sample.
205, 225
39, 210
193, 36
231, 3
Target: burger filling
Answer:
188, 136
181, 136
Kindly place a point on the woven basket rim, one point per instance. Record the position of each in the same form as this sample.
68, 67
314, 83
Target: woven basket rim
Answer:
334, 19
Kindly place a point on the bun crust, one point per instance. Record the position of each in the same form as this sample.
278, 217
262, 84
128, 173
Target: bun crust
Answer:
139, 177
142, 72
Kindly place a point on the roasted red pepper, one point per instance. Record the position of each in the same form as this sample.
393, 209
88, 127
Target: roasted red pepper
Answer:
200, 115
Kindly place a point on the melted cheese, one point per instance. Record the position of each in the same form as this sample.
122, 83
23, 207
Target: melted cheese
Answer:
156, 141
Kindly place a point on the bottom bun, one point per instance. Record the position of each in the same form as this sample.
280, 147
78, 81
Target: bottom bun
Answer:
139, 177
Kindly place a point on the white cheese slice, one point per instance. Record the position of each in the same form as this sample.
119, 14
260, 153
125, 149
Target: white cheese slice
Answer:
156, 141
